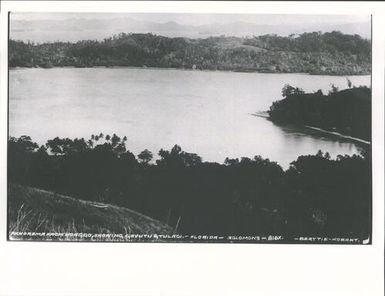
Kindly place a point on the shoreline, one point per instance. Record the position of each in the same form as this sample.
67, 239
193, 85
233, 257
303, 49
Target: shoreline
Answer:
264, 114
362, 141
188, 69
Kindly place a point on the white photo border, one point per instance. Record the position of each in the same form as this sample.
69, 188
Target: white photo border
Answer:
34, 268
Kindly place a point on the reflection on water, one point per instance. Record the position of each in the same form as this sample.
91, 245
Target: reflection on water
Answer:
295, 141
204, 112
314, 139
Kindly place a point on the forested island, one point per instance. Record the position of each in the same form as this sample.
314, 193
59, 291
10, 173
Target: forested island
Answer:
316, 196
345, 111
331, 53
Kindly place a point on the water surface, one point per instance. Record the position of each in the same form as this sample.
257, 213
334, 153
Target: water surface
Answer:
208, 113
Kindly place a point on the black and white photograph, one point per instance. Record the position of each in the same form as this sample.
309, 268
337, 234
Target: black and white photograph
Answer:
189, 127
192, 148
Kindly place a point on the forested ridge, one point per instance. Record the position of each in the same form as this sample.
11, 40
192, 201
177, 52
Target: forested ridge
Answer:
346, 111
332, 53
317, 195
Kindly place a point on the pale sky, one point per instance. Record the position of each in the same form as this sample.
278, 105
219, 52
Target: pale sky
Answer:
49, 27
202, 19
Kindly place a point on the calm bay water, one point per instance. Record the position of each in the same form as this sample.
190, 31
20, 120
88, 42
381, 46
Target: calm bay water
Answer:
208, 113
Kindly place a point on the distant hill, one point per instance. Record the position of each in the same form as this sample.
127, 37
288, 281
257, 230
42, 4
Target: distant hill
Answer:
332, 53
35, 210
75, 29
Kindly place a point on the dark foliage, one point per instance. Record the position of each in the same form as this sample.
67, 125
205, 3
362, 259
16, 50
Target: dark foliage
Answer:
315, 196
347, 111
316, 53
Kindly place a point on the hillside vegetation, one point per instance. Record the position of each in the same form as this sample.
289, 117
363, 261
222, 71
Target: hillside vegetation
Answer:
317, 195
39, 211
316, 53
346, 111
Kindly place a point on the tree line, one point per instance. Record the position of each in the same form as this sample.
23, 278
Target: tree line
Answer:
317, 195
346, 111
315, 53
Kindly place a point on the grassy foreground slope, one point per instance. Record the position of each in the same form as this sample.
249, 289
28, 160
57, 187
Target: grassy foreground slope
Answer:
40, 211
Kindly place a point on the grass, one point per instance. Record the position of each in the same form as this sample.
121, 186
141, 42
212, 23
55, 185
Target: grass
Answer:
36, 214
